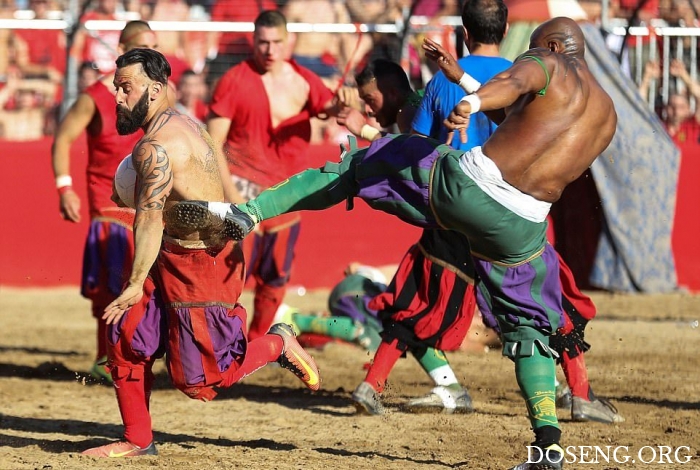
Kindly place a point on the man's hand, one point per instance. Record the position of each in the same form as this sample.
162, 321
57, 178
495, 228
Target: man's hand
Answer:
443, 59
69, 205
652, 69
677, 69
352, 119
127, 299
349, 96
458, 120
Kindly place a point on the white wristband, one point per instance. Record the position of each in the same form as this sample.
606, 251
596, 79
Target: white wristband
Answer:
474, 101
63, 180
468, 83
369, 133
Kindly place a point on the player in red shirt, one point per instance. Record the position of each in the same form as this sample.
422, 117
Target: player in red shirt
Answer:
109, 245
261, 111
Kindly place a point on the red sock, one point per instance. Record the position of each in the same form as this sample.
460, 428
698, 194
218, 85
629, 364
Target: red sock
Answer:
267, 301
133, 395
384, 359
260, 351
97, 312
576, 375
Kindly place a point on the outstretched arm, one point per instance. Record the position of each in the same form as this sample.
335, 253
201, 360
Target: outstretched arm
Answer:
677, 69
155, 183
523, 77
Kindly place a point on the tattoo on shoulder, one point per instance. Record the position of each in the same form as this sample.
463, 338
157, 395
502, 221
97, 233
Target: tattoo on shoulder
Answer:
155, 175
163, 119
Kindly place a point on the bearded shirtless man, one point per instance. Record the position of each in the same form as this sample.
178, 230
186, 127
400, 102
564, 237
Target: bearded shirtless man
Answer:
182, 293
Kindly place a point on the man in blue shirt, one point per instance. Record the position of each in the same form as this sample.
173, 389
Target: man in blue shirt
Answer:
484, 29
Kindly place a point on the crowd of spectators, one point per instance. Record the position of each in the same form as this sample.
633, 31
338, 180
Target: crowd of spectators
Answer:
33, 62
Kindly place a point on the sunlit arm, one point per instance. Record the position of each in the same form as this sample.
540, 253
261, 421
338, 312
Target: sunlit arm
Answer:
155, 185
523, 77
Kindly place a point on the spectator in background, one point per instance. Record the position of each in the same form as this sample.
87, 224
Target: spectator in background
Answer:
682, 125
233, 48
172, 43
87, 75
420, 69
637, 12
192, 96
40, 53
99, 47
383, 46
325, 54
23, 107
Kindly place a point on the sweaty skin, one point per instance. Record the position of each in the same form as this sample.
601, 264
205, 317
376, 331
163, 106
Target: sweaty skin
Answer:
545, 142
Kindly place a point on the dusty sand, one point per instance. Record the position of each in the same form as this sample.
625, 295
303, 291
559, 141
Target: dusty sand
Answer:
644, 358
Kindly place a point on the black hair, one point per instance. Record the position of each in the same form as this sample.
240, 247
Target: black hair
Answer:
384, 70
270, 19
485, 20
153, 63
88, 65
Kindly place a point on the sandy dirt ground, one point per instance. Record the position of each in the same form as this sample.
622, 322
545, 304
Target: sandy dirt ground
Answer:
644, 358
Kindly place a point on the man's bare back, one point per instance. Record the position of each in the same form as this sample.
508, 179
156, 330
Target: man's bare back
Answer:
547, 140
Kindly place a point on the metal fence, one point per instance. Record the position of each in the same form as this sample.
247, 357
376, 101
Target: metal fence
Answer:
661, 42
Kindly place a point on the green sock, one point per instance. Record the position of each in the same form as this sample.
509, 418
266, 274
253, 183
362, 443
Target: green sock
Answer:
337, 327
435, 363
309, 190
535, 375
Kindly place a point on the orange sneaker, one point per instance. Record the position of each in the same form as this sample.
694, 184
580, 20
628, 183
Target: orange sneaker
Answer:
121, 449
295, 358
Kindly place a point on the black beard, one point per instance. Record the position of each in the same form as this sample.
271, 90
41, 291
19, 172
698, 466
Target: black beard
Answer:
129, 122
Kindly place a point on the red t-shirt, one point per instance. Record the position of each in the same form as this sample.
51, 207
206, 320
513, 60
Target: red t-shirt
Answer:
255, 150
687, 139
238, 11
106, 149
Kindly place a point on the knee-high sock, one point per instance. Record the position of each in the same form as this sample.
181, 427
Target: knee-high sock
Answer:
309, 190
337, 327
576, 376
435, 364
260, 352
535, 375
265, 304
133, 396
384, 360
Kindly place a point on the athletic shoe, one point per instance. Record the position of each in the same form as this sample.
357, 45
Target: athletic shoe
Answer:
599, 410
553, 459
295, 358
121, 449
442, 399
563, 397
367, 400
195, 215
99, 370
